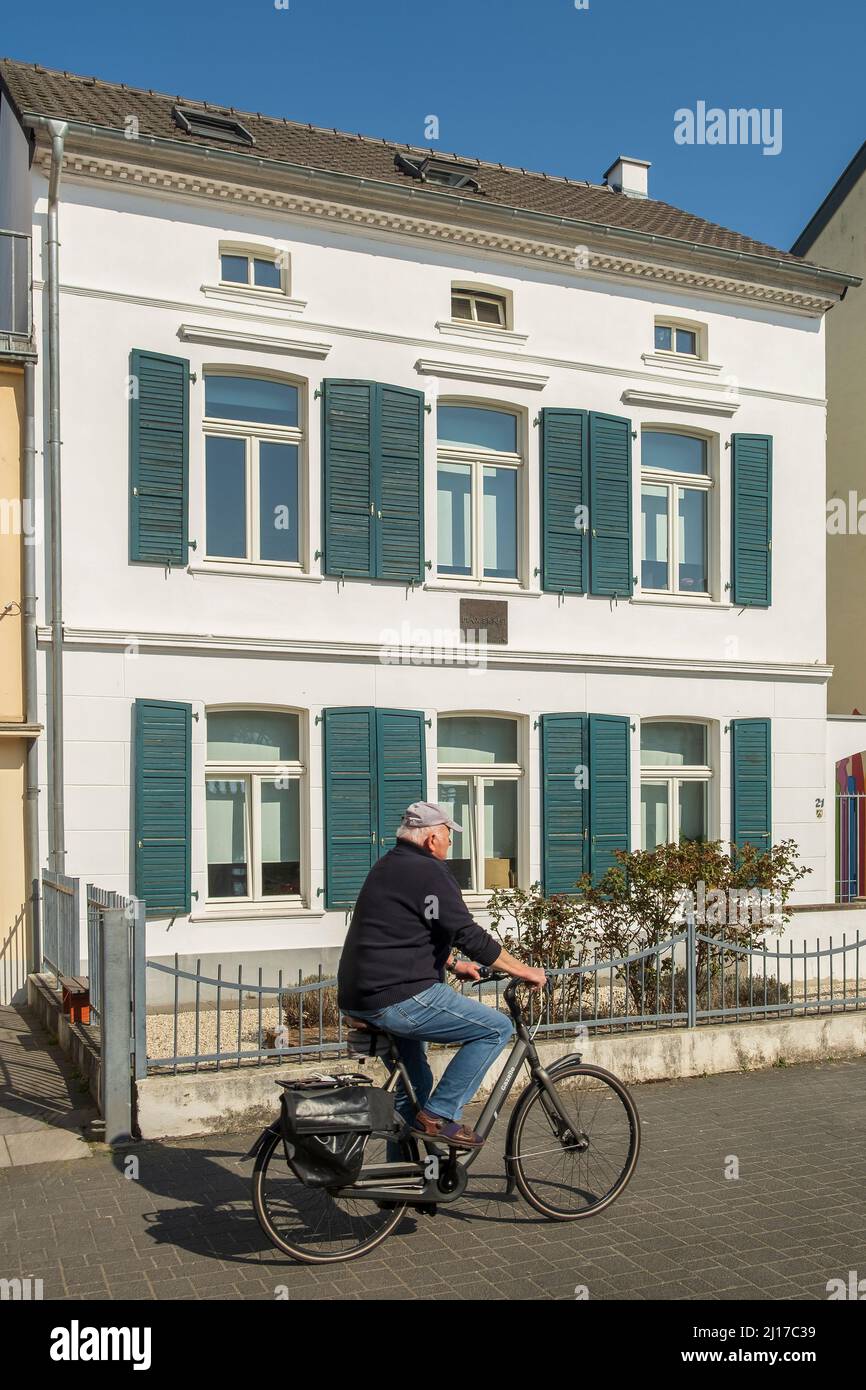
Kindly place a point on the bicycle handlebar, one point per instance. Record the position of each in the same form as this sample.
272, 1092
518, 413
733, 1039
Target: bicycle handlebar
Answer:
488, 975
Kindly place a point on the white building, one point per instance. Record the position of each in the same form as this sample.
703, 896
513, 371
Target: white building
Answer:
375, 390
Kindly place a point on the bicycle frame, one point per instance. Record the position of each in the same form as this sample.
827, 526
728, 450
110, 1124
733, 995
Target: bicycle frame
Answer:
443, 1178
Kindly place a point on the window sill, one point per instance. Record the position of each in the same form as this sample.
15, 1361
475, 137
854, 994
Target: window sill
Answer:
238, 294
478, 587
682, 361
254, 571
256, 912
682, 601
462, 328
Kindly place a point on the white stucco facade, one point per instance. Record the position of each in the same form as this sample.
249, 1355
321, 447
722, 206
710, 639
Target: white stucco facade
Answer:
140, 269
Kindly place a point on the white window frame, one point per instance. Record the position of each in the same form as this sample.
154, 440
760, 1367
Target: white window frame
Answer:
254, 434
685, 325
671, 775
671, 479
251, 253
479, 459
252, 773
477, 774
476, 294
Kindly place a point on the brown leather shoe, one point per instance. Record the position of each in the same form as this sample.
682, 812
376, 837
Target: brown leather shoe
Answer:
434, 1127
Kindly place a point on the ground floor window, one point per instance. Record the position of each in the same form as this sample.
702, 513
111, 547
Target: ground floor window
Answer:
479, 780
675, 779
253, 789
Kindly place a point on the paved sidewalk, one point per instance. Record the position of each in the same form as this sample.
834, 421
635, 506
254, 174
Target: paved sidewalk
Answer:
45, 1107
795, 1218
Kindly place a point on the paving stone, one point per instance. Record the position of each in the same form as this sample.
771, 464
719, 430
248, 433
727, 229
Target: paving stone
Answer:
185, 1230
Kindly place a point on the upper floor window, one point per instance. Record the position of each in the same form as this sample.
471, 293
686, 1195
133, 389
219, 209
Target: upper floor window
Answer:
479, 307
675, 776
675, 490
677, 338
479, 780
478, 493
264, 272
253, 439
254, 775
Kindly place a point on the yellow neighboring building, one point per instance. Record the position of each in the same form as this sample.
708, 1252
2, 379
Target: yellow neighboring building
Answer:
836, 236
15, 950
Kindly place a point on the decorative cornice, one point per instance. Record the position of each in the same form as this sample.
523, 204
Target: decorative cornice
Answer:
664, 400
583, 260
256, 342
479, 371
472, 654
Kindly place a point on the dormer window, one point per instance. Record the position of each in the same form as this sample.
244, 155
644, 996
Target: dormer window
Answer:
478, 307
445, 173
211, 126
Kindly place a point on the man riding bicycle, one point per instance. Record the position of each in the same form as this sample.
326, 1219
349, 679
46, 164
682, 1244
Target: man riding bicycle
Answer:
408, 920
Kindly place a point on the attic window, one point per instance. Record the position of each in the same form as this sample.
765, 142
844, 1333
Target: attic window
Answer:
211, 126
441, 172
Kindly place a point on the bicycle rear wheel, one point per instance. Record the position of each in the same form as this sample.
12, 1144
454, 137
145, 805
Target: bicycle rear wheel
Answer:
568, 1172
310, 1224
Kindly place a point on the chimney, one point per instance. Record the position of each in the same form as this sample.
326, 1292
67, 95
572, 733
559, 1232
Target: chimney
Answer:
628, 176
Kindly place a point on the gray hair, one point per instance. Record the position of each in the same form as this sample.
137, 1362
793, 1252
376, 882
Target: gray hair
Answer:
416, 833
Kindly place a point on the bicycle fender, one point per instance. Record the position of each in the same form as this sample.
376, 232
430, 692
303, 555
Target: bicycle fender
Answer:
271, 1129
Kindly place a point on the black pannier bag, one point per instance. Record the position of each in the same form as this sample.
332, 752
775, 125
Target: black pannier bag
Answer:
325, 1129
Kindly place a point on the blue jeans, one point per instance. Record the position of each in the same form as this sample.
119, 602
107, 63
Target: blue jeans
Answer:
440, 1014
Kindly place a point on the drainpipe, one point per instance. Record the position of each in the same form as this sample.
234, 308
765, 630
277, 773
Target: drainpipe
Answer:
31, 701
57, 132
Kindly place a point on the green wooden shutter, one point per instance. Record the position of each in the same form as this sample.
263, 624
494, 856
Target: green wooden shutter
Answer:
162, 775
347, 485
610, 564
351, 823
401, 767
399, 483
564, 448
564, 793
751, 519
609, 790
158, 458
751, 782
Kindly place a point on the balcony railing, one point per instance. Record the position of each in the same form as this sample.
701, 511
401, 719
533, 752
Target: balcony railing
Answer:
16, 295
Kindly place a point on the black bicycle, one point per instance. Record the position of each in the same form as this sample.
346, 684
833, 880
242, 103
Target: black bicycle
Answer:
572, 1145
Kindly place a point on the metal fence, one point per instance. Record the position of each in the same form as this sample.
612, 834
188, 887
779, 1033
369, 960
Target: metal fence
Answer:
850, 846
99, 901
222, 1022
60, 924
687, 981
15, 291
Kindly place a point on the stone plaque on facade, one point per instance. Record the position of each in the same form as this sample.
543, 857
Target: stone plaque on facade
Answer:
484, 620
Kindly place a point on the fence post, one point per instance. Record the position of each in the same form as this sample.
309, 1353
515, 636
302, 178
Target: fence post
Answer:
115, 1023
76, 927
139, 1005
691, 971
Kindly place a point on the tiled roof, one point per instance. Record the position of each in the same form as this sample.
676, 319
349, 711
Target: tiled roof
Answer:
42, 91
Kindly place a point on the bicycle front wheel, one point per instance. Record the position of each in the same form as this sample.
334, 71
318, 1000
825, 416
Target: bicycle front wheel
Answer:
309, 1223
567, 1171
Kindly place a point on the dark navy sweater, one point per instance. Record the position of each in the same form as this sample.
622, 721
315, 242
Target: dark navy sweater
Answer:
409, 915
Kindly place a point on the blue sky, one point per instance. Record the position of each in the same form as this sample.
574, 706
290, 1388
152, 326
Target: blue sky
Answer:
537, 83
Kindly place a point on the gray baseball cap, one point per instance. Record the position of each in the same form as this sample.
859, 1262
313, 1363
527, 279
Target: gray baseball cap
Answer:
427, 813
